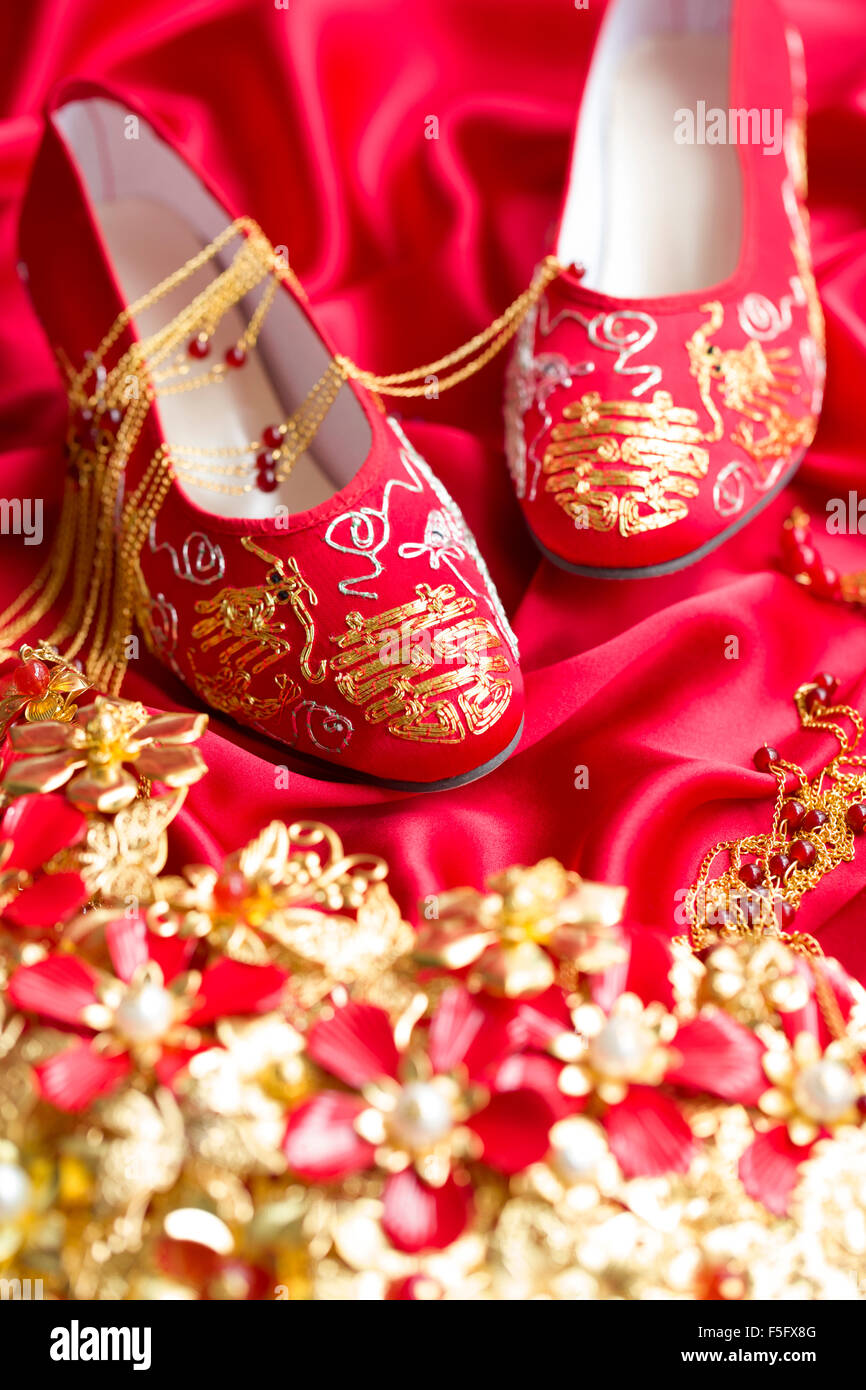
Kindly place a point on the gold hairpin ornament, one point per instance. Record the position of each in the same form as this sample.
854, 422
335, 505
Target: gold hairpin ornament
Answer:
815, 824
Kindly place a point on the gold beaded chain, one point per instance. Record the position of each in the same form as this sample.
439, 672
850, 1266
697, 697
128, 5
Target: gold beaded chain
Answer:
492, 340
815, 824
101, 529
298, 433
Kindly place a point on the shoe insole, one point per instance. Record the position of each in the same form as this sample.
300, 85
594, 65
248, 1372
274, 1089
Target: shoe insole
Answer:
672, 212
148, 241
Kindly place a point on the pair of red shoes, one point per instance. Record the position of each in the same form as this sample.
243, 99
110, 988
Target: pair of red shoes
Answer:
237, 491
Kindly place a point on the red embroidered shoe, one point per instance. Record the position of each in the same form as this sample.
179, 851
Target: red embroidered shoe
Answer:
666, 389
234, 491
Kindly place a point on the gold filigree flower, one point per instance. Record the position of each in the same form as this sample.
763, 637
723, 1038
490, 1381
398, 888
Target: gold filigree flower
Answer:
362, 1262
608, 1052
812, 1090
293, 887
41, 686
579, 1170
530, 919
755, 980
420, 1123
26, 1196
87, 755
235, 1094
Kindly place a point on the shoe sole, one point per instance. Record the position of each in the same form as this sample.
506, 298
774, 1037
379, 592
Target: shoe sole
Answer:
330, 772
671, 566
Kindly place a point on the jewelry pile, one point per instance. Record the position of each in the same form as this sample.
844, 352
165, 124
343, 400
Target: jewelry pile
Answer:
252, 1079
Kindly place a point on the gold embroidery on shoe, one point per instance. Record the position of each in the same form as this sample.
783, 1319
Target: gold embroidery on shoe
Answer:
388, 665
229, 690
814, 312
653, 448
753, 382
250, 616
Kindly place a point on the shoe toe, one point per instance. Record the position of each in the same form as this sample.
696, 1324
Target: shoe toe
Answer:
638, 441
372, 639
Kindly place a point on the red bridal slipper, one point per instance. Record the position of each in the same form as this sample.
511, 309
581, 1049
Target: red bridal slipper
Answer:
669, 381
234, 490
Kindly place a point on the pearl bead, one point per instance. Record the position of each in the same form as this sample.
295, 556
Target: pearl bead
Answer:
145, 1014
15, 1191
422, 1115
621, 1048
826, 1090
578, 1148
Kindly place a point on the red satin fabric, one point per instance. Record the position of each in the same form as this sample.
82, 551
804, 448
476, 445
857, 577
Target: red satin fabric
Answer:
313, 118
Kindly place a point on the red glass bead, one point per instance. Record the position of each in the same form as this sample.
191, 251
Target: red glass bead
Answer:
765, 757
235, 356
230, 891
31, 678
804, 852
267, 481
415, 1288
792, 813
272, 436
785, 913
719, 1284
100, 371
757, 907
818, 695
856, 817
825, 581
829, 683
807, 559
200, 346
751, 875
86, 428
793, 540
266, 462
813, 820
778, 864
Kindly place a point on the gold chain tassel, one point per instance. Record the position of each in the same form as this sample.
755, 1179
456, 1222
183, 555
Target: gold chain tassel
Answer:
101, 531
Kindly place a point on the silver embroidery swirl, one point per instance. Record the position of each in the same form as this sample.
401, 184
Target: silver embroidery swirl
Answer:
611, 331
200, 561
464, 536
368, 531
